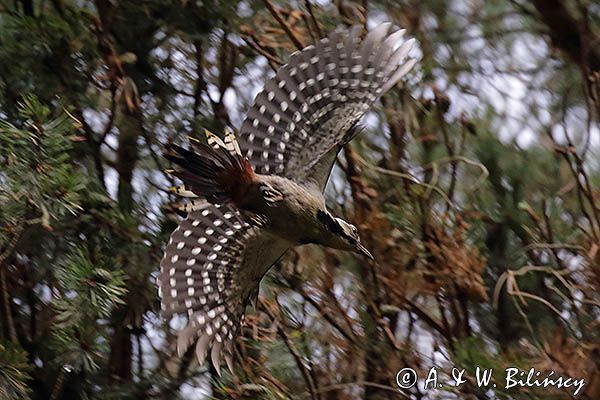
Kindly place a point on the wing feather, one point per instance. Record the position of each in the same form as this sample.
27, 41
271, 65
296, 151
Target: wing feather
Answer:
212, 265
307, 111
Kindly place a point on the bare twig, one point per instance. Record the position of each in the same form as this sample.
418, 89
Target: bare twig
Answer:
12, 243
407, 177
509, 280
12, 333
293, 351
58, 385
274, 62
311, 12
288, 30
350, 336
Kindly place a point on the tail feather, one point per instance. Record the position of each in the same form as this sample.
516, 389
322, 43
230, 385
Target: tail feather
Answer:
216, 171
183, 191
231, 143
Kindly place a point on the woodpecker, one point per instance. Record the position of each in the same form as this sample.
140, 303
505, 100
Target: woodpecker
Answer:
252, 199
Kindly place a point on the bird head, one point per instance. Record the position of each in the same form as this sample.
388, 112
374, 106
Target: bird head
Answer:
343, 235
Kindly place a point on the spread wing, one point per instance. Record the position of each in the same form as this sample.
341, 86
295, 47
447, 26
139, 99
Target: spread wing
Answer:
306, 113
212, 266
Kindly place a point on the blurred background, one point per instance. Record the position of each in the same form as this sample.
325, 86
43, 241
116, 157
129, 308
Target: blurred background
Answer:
475, 186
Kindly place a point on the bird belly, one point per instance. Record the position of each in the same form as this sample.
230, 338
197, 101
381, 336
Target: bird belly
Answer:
296, 228
284, 209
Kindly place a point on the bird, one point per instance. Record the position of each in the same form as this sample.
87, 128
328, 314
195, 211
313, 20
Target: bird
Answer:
253, 195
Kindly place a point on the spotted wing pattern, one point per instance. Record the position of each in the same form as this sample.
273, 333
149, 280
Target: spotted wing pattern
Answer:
212, 266
309, 108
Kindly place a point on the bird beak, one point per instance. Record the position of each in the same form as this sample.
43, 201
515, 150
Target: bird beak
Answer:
360, 249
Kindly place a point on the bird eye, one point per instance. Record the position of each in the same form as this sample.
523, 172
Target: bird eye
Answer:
354, 230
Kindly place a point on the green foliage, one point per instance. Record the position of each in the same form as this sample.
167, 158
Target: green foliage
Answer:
14, 372
97, 289
473, 352
33, 48
79, 348
39, 182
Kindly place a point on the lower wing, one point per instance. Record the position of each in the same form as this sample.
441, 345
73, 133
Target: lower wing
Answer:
212, 267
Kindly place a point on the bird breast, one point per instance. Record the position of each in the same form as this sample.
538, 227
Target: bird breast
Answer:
288, 210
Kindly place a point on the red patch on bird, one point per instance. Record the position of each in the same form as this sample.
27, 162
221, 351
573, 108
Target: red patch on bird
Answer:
238, 181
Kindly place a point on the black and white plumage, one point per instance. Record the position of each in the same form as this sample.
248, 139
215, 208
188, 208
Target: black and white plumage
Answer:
209, 261
308, 109
245, 212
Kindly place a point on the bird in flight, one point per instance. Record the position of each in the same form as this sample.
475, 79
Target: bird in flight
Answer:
252, 199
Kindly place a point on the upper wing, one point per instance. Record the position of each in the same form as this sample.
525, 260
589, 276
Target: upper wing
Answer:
212, 265
309, 108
